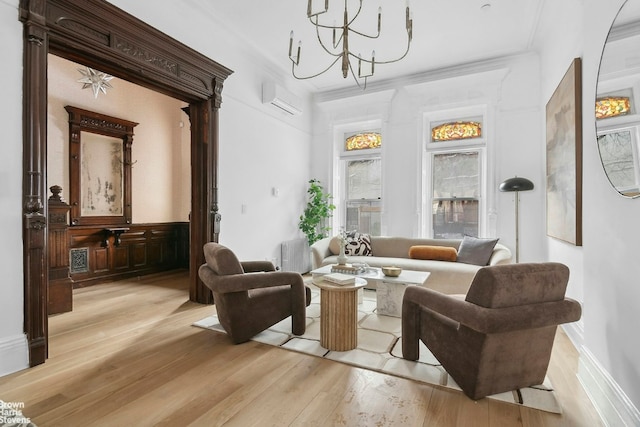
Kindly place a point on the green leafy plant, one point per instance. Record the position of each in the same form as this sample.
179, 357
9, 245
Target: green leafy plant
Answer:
319, 208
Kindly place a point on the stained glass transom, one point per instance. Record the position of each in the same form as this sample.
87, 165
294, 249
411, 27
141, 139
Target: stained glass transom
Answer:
363, 141
612, 106
456, 130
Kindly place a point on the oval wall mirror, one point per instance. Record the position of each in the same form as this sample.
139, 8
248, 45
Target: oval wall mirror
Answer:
618, 100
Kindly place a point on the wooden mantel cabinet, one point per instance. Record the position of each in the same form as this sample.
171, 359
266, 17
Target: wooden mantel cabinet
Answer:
99, 254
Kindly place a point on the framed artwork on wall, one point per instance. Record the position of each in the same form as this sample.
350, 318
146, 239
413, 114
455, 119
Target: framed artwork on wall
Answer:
564, 158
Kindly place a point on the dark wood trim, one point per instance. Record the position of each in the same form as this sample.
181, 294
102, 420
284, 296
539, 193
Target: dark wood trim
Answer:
34, 209
97, 34
60, 299
135, 250
88, 121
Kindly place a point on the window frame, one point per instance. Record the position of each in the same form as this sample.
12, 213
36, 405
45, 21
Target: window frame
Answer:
430, 149
345, 201
481, 198
619, 126
341, 133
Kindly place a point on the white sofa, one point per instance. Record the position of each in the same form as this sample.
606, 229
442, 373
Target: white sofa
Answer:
446, 276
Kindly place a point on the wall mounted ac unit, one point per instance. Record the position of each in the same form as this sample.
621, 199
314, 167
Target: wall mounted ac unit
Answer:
281, 98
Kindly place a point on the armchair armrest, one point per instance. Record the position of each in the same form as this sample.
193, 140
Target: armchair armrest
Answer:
247, 281
495, 320
319, 251
500, 255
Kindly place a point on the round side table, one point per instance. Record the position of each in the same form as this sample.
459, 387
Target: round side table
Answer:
339, 314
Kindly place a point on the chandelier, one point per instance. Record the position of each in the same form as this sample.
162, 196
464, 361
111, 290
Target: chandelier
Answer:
338, 47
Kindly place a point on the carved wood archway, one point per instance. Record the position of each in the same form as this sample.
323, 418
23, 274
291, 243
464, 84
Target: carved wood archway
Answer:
100, 35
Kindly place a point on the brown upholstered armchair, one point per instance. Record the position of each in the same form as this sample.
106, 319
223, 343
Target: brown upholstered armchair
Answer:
499, 338
251, 296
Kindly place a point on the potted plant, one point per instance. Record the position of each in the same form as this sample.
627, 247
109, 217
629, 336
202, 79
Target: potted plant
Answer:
319, 208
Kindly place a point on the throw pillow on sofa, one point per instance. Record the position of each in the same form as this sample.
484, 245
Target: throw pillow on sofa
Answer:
358, 244
437, 253
476, 251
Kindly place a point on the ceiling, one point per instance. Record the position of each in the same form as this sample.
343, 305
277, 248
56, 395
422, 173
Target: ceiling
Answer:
445, 33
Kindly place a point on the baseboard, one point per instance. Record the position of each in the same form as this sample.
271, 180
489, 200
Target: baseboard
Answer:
575, 332
609, 399
14, 354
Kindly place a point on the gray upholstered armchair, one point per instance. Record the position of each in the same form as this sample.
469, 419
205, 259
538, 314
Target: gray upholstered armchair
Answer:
499, 338
251, 296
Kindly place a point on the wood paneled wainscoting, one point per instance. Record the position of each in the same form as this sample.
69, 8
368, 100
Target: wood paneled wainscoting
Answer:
99, 254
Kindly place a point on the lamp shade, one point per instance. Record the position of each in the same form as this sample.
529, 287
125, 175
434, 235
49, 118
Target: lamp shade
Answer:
516, 184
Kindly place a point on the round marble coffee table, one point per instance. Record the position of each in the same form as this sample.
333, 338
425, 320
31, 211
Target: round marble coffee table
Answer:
339, 314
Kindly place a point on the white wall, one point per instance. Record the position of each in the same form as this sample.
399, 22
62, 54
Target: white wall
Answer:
611, 269
605, 270
13, 351
260, 154
160, 175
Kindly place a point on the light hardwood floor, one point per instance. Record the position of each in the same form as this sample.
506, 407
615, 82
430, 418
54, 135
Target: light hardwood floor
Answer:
128, 356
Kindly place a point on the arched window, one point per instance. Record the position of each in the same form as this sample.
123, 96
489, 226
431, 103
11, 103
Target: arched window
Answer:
456, 130
612, 106
363, 141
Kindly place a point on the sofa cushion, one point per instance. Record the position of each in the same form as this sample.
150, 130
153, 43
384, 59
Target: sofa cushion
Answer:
476, 251
399, 246
440, 253
358, 244
334, 245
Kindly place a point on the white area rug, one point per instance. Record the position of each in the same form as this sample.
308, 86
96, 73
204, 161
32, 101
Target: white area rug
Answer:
380, 349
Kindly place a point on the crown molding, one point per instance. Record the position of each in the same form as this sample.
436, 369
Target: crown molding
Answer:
467, 69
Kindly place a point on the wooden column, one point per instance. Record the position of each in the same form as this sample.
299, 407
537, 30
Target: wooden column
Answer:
205, 216
60, 285
32, 13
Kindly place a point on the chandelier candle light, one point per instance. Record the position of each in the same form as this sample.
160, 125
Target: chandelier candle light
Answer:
340, 43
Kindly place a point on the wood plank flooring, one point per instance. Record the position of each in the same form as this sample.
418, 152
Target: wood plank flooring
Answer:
128, 356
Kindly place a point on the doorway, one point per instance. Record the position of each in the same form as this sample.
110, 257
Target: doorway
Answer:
99, 35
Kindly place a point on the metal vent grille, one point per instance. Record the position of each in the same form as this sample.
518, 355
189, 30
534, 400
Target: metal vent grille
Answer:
295, 256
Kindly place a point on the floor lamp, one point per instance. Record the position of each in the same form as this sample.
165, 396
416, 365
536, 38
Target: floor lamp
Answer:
516, 184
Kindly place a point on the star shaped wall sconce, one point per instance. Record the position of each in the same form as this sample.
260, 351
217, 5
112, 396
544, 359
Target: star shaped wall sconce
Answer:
96, 80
